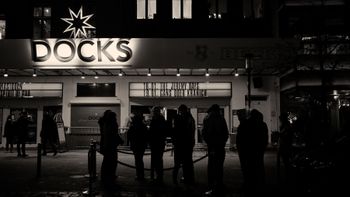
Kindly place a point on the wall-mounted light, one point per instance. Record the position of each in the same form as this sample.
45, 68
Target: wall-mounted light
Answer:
236, 72
178, 73
5, 73
82, 77
120, 74
149, 73
207, 73
96, 75
34, 73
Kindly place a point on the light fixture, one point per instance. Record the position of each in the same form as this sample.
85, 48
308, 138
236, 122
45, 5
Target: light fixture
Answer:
5, 73
34, 73
149, 73
120, 74
96, 75
178, 73
236, 72
207, 73
82, 77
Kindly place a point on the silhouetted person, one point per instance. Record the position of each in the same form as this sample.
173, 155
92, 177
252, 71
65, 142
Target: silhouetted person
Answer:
243, 144
285, 142
252, 139
137, 135
22, 124
215, 134
9, 132
109, 142
183, 141
49, 133
157, 135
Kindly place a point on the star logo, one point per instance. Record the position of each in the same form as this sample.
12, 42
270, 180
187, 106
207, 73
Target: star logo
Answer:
78, 24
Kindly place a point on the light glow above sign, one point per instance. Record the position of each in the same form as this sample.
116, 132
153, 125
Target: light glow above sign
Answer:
179, 89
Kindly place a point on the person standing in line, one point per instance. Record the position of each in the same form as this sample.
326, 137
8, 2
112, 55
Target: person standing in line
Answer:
254, 145
215, 134
157, 136
137, 134
109, 142
285, 143
9, 132
242, 142
22, 134
49, 133
183, 141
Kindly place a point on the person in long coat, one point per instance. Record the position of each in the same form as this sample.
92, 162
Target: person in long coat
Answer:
110, 140
252, 139
137, 136
157, 136
9, 132
22, 128
49, 133
215, 134
183, 141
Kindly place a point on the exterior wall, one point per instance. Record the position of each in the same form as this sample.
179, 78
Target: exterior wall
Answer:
239, 90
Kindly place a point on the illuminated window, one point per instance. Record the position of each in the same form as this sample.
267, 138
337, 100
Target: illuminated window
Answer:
95, 89
42, 22
182, 9
146, 9
253, 8
2, 28
217, 8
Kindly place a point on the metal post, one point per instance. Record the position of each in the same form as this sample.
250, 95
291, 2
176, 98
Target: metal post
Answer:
38, 162
92, 166
248, 69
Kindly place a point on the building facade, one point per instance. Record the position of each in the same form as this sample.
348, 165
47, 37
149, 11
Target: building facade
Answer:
89, 56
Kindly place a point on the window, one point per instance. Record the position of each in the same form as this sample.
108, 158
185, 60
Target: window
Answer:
146, 9
42, 22
182, 9
2, 27
96, 89
217, 8
253, 9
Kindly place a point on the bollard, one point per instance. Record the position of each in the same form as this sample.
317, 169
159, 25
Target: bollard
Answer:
92, 166
38, 162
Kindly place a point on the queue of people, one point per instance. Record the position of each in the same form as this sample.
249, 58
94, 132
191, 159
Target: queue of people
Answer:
17, 132
215, 134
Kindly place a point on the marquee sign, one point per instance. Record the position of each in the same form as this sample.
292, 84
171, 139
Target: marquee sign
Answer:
30, 90
179, 89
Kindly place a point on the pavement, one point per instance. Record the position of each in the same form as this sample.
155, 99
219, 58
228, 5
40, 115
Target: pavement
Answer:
67, 175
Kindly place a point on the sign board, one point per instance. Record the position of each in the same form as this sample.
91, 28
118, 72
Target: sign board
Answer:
109, 53
30, 90
179, 89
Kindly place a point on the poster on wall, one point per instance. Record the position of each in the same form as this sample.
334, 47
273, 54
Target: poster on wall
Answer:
32, 117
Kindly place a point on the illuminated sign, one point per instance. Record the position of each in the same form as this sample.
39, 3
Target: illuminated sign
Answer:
80, 51
30, 90
179, 89
78, 23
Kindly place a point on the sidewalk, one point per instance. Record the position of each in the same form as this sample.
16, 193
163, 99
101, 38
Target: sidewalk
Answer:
66, 174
